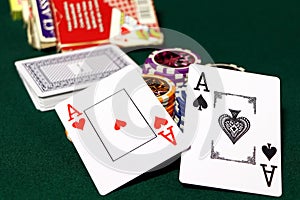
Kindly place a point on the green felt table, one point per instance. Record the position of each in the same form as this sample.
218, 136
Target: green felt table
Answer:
38, 162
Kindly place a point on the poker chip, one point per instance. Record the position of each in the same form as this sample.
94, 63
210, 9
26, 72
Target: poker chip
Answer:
181, 101
181, 119
172, 60
163, 88
178, 113
147, 69
178, 79
170, 107
179, 108
171, 114
167, 103
172, 63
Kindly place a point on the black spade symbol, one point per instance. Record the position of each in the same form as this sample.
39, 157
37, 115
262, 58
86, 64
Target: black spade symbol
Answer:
234, 127
200, 101
269, 151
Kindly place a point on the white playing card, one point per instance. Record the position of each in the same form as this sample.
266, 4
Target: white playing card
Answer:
236, 120
120, 129
62, 73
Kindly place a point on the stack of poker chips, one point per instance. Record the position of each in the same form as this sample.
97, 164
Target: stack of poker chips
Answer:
164, 89
179, 109
172, 63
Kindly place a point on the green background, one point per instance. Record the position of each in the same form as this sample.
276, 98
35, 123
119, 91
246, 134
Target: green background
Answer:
36, 159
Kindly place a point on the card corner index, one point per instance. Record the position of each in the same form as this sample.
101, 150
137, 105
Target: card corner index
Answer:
112, 149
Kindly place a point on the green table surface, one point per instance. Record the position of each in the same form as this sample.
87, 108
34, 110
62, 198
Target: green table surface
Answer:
38, 162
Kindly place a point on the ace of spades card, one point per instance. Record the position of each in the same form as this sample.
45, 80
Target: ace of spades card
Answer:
236, 120
120, 129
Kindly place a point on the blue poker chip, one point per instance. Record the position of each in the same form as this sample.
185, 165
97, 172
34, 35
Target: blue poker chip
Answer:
179, 120
180, 106
180, 101
183, 93
181, 127
179, 113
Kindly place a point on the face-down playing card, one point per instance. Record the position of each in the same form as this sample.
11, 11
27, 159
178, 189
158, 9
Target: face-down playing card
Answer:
236, 119
120, 129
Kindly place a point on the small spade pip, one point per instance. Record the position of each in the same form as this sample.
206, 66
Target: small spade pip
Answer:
200, 101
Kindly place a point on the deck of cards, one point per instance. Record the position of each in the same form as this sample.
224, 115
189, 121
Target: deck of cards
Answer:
76, 24
51, 79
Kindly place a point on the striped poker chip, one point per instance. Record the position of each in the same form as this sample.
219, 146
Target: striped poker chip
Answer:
172, 60
176, 119
147, 69
179, 113
170, 106
181, 126
171, 113
180, 102
165, 101
162, 87
179, 118
178, 79
179, 106
169, 102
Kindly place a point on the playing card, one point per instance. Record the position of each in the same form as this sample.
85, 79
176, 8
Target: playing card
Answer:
236, 120
120, 129
62, 73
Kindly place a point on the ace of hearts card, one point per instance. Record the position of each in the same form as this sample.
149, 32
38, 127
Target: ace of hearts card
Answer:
120, 129
236, 120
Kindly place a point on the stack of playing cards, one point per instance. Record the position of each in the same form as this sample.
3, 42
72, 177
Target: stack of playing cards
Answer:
40, 28
81, 23
51, 79
232, 126
77, 24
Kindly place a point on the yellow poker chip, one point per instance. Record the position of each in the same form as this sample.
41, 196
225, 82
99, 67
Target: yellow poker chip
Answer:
162, 87
169, 102
170, 107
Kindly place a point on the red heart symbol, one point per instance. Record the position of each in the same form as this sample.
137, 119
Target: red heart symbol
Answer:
159, 122
124, 31
79, 124
119, 124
